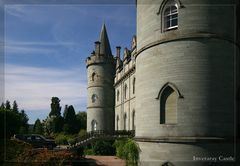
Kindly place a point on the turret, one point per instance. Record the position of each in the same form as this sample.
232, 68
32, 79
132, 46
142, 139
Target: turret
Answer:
101, 70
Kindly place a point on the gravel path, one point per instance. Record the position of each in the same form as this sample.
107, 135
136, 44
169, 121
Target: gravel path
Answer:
107, 160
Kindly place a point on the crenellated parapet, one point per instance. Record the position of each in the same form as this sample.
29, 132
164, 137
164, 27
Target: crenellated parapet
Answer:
97, 58
126, 65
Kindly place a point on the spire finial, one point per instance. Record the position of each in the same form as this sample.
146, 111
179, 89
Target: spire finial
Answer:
105, 48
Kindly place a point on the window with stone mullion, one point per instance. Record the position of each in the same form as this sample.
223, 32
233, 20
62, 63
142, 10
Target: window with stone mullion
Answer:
170, 17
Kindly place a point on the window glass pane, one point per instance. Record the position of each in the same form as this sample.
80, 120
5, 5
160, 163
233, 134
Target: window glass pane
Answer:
173, 9
174, 16
168, 18
174, 22
167, 24
167, 11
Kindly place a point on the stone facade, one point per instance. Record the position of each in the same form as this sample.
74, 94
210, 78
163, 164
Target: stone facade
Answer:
125, 89
177, 85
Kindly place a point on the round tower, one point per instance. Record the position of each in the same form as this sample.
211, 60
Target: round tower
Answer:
186, 81
100, 74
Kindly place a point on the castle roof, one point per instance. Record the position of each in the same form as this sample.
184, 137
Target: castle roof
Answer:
105, 48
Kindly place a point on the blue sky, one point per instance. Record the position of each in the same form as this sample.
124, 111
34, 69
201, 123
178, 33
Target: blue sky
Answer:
46, 47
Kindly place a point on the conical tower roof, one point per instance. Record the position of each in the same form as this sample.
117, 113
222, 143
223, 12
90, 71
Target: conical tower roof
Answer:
105, 48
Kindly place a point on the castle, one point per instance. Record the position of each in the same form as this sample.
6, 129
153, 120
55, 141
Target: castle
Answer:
178, 85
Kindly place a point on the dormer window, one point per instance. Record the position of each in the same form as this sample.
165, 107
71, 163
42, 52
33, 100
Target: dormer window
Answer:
170, 15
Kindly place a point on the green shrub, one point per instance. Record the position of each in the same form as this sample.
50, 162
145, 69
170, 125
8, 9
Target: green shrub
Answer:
127, 149
131, 151
101, 147
82, 133
61, 139
89, 152
71, 141
119, 144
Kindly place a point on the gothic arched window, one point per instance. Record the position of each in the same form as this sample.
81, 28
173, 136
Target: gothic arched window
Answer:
168, 97
94, 98
170, 15
117, 122
133, 120
118, 95
94, 125
93, 76
125, 122
168, 106
167, 164
125, 91
134, 80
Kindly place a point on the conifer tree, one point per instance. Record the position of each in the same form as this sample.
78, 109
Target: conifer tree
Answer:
38, 127
8, 105
15, 106
2, 107
70, 120
55, 107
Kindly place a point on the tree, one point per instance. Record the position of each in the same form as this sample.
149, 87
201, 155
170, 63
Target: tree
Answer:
8, 105
65, 111
81, 120
47, 125
70, 120
15, 106
53, 125
12, 122
24, 122
57, 124
38, 127
70, 115
55, 107
2, 107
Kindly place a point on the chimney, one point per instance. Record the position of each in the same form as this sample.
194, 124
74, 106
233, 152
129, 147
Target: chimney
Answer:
118, 50
97, 47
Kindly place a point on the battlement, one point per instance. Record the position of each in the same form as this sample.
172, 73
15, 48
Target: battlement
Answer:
125, 66
99, 59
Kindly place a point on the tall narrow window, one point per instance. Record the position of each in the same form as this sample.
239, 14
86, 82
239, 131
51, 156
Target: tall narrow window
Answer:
93, 76
117, 122
168, 106
125, 91
117, 95
134, 80
125, 121
170, 15
133, 120
94, 125
94, 98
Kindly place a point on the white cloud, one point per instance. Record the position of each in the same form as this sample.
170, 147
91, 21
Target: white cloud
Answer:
39, 47
15, 10
33, 87
22, 49
37, 43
